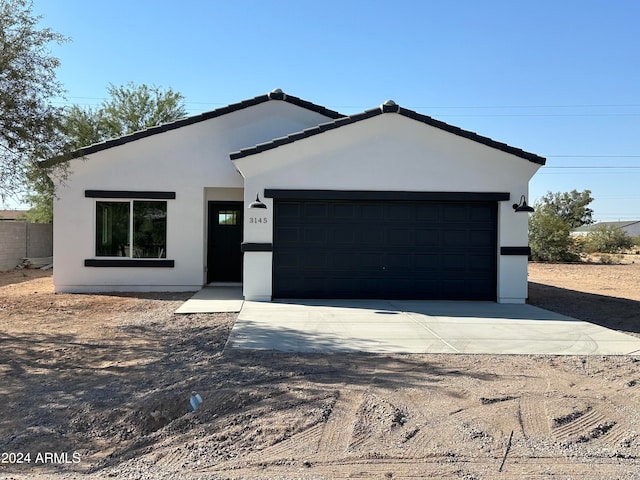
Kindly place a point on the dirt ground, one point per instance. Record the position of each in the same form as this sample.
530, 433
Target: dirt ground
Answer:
103, 382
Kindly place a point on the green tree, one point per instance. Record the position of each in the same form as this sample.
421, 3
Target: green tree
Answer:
556, 216
29, 124
572, 207
608, 239
128, 109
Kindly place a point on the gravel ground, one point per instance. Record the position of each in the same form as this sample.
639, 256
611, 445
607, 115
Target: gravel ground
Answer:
106, 379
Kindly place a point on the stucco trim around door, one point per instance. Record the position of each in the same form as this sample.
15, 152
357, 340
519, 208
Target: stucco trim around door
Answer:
224, 240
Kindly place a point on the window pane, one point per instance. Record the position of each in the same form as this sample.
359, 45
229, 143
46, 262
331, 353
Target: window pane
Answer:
112, 229
150, 229
229, 217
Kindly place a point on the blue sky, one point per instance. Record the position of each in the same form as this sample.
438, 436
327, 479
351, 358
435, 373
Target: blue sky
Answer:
557, 78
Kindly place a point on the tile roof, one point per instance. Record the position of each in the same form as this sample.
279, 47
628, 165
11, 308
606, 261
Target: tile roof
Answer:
276, 94
388, 107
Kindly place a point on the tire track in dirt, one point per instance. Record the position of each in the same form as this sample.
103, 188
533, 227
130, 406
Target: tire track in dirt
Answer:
580, 427
337, 432
304, 443
421, 438
438, 467
533, 417
546, 468
369, 421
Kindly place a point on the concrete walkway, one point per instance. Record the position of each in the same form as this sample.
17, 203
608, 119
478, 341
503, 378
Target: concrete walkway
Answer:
420, 327
213, 300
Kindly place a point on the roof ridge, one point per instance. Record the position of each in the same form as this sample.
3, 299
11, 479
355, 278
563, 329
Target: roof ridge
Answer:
387, 107
276, 94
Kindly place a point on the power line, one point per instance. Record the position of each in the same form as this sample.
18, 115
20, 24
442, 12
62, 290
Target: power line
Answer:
618, 105
448, 107
546, 115
593, 172
598, 167
592, 156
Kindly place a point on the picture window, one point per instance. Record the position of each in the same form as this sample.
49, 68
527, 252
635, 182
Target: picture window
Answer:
131, 229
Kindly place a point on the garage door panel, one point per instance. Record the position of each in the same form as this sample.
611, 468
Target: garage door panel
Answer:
398, 261
426, 238
316, 210
481, 213
341, 261
453, 262
344, 211
287, 235
372, 237
372, 211
427, 262
370, 260
392, 249
343, 236
400, 213
481, 238
455, 238
317, 260
455, 213
480, 263
289, 209
427, 213
315, 235
400, 236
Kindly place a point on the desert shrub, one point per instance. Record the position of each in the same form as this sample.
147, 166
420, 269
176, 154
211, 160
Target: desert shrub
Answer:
608, 239
550, 239
608, 259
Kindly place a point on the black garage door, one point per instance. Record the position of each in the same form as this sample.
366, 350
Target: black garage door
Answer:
385, 249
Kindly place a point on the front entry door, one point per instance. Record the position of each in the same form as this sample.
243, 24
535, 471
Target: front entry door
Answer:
224, 257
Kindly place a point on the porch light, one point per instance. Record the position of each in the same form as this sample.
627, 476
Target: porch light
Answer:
257, 203
522, 206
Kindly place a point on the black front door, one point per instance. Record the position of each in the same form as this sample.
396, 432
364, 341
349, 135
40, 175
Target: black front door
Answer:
224, 257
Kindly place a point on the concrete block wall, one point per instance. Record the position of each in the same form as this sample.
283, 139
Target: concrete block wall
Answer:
39, 240
22, 239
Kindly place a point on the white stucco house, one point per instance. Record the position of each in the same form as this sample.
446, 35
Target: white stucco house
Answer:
294, 200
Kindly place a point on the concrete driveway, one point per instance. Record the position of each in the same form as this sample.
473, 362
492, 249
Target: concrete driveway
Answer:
420, 327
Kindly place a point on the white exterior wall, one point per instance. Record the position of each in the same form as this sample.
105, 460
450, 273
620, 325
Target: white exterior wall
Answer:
192, 161
389, 152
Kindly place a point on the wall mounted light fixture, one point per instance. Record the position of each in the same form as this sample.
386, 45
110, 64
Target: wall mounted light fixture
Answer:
257, 203
522, 206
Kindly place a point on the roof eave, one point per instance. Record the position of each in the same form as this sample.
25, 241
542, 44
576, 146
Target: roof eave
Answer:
388, 107
183, 122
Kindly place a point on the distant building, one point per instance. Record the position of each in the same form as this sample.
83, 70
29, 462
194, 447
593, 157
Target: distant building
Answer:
13, 215
632, 227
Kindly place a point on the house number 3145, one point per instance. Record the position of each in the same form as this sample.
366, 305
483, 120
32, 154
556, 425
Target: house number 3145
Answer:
257, 219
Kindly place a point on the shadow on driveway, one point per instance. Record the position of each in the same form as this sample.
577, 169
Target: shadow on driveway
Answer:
616, 313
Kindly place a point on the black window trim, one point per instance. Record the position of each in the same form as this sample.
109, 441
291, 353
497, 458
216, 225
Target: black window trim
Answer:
130, 194
282, 194
129, 262
256, 247
515, 251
